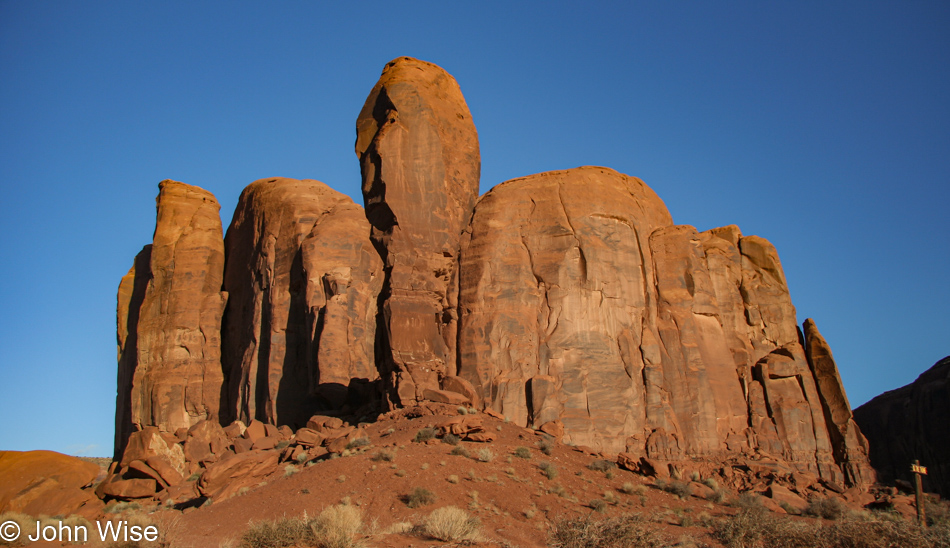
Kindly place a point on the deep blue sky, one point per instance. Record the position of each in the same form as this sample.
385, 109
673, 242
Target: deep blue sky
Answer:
822, 126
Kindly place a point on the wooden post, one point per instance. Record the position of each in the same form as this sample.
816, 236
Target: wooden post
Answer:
918, 471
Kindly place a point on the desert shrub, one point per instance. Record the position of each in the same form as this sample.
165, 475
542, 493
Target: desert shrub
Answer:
424, 435
747, 501
450, 439
678, 488
358, 442
711, 483
601, 465
290, 470
755, 527
462, 410
631, 489
546, 445
486, 455
826, 508
718, 496
460, 450
24, 521
628, 531
336, 526
599, 505
117, 507
548, 469
452, 479
522, 452
384, 455
450, 524
301, 457
276, 534
420, 496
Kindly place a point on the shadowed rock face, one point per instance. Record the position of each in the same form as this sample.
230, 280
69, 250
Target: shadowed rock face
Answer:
169, 318
303, 279
419, 156
580, 301
911, 423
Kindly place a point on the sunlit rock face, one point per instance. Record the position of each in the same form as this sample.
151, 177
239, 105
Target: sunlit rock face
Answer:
581, 301
567, 301
418, 152
303, 279
169, 318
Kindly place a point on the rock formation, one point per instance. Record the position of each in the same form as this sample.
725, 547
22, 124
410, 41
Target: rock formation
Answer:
580, 301
419, 156
303, 280
567, 301
47, 483
169, 318
911, 423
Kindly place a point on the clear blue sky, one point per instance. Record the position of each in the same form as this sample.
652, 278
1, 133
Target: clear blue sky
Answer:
822, 126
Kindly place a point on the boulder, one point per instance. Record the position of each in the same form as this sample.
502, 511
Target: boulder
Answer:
782, 495
445, 396
148, 443
227, 476
128, 489
45, 482
419, 155
308, 438
303, 279
461, 386
235, 430
165, 470
138, 469
321, 423
255, 430
169, 319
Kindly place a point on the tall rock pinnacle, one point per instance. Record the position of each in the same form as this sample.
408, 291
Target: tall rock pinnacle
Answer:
169, 318
419, 157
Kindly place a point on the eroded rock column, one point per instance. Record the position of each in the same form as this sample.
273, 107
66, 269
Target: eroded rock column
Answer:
169, 318
420, 163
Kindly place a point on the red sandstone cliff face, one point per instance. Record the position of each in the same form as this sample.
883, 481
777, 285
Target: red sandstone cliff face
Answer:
581, 302
303, 280
169, 318
568, 301
418, 151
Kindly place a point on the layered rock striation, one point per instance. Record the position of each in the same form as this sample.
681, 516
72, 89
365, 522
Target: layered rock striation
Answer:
169, 318
420, 164
911, 423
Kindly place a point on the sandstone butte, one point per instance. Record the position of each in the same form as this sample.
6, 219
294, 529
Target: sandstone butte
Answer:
911, 423
565, 301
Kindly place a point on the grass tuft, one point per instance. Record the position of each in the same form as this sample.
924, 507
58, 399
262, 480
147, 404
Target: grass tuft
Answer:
451, 524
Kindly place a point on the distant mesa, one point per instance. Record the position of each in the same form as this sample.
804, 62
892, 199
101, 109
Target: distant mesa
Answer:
567, 302
911, 423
